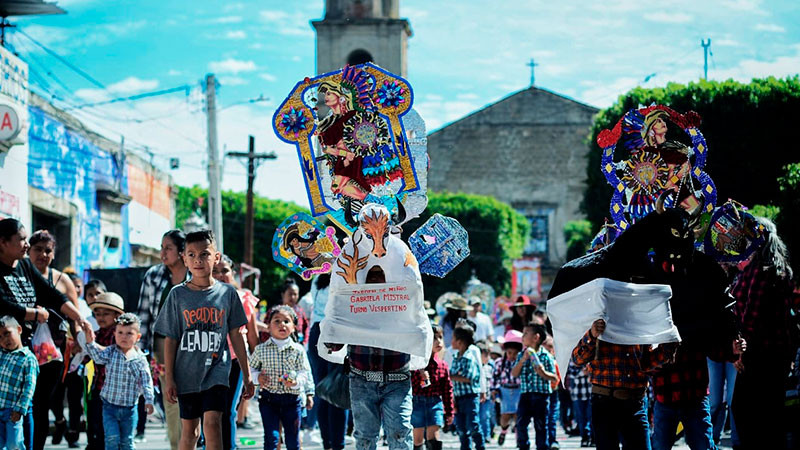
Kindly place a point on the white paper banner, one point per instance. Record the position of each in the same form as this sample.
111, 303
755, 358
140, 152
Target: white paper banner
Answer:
634, 314
389, 316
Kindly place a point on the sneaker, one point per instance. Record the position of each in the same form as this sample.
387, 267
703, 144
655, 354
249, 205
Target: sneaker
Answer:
139, 438
584, 442
501, 439
555, 446
58, 433
246, 425
310, 438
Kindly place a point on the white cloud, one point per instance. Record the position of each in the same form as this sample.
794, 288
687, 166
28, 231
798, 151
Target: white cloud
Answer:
437, 112
46, 35
125, 27
232, 65
288, 25
770, 28
233, 7
256, 46
174, 72
227, 19
237, 34
273, 16
727, 43
267, 76
127, 86
232, 81
605, 94
664, 17
750, 6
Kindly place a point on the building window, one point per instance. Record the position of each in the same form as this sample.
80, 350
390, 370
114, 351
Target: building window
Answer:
537, 243
359, 56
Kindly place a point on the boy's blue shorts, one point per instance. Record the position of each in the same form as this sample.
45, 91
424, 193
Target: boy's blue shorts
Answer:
427, 411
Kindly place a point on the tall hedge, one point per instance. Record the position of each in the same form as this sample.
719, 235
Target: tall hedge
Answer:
268, 216
497, 236
750, 130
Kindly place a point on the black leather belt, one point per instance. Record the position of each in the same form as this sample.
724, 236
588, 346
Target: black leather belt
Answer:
618, 393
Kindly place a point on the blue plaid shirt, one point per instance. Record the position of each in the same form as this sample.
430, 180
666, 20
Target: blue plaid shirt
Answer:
126, 379
465, 365
530, 381
18, 372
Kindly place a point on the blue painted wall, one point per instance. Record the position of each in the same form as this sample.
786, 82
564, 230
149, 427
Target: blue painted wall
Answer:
67, 165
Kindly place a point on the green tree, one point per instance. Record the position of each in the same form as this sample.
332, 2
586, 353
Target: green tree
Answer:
268, 215
749, 128
789, 212
497, 236
578, 234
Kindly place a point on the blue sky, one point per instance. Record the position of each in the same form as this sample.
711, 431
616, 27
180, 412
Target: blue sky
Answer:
463, 56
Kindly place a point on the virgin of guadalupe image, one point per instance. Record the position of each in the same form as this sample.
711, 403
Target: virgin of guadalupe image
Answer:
307, 248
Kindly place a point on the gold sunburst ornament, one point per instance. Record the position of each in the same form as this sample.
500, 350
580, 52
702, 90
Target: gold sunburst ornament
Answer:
647, 172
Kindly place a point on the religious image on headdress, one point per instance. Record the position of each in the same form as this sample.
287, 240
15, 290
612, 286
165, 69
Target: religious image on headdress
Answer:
652, 150
733, 234
350, 136
305, 246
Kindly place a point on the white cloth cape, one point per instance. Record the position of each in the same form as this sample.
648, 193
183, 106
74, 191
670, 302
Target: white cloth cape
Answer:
634, 314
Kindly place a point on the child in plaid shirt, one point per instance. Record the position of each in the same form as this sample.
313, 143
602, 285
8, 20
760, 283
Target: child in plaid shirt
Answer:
505, 385
18, 371
580, 391
535, 369
466, 375
433, 397
284, 374
127, 377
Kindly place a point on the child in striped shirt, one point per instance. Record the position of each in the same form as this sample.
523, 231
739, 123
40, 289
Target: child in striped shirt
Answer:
18, 372
466, 374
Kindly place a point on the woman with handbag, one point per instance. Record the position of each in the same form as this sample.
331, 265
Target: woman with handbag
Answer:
26, 295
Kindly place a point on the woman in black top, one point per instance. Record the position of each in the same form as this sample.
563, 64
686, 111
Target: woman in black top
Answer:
27, 296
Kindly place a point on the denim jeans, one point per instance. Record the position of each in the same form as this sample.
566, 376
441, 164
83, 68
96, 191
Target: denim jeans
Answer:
534, 406
467, 421
370, 401
696, 420
721, 380
276, 410
583, 414
332, 420
614, 419
119, 424
12, 436
486, 415
553, 410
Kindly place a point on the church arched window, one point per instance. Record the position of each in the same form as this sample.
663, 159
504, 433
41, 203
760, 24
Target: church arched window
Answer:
358, 56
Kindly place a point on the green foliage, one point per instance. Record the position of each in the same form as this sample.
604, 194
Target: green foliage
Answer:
497, 236
769, 211
578, 234
789, 215
268, 215
749, 128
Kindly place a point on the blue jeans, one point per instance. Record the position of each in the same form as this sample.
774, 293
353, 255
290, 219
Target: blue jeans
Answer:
553, 410
332, 420
487, 414
721, 379
583, 414
614, 420
467, 421
277, 409
119, 424
372, 401
12, 436
696, 420
534, 406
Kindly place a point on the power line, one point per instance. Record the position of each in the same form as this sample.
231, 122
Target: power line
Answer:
184, 88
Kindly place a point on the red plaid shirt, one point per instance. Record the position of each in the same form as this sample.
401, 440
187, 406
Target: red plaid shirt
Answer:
104, 337
440, 385
619, 366
763, 300
684, 380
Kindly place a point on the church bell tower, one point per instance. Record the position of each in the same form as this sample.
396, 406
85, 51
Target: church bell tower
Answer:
359, 31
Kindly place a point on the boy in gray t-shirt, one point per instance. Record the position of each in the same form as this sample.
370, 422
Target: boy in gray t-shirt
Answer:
196, 318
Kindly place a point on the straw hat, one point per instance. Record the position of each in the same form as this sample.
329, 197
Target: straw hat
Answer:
458, 303
109, 300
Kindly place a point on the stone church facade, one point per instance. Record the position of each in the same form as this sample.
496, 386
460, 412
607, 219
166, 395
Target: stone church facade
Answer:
528, 150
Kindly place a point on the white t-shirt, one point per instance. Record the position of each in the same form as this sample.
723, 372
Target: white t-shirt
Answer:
485, 328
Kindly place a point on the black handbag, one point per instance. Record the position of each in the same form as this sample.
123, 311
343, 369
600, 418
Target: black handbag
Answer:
335, 388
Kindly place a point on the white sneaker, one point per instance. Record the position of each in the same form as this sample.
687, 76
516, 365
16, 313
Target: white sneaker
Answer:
310, 437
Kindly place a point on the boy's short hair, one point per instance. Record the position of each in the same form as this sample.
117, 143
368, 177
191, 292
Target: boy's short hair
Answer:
206, 236
8, 322
464, 334
284, 309
95, 284
539, 329
128, 319
437, 330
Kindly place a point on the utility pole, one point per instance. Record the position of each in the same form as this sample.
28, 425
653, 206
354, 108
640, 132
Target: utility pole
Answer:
214, 193
253, 160
706, 43
532, 64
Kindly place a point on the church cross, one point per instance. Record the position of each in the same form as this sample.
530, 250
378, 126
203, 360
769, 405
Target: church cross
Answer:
532, 64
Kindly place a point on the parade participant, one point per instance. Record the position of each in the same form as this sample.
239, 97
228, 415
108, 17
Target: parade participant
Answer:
536, 370
157, 283
523, 312
580, 391
457, 308
484, 330
554, 405
105, 308
127, 377
466, 373
223, 272
763, 293
27, 296
72, 387
433, 397
505, 385
92, 289
487, 410
195, 318
290, 294
17, 382
282, 369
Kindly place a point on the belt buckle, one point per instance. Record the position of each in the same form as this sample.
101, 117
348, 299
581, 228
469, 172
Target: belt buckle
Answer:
373, 376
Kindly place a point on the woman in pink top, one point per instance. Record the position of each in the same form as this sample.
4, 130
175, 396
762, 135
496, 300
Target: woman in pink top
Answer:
223, 271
